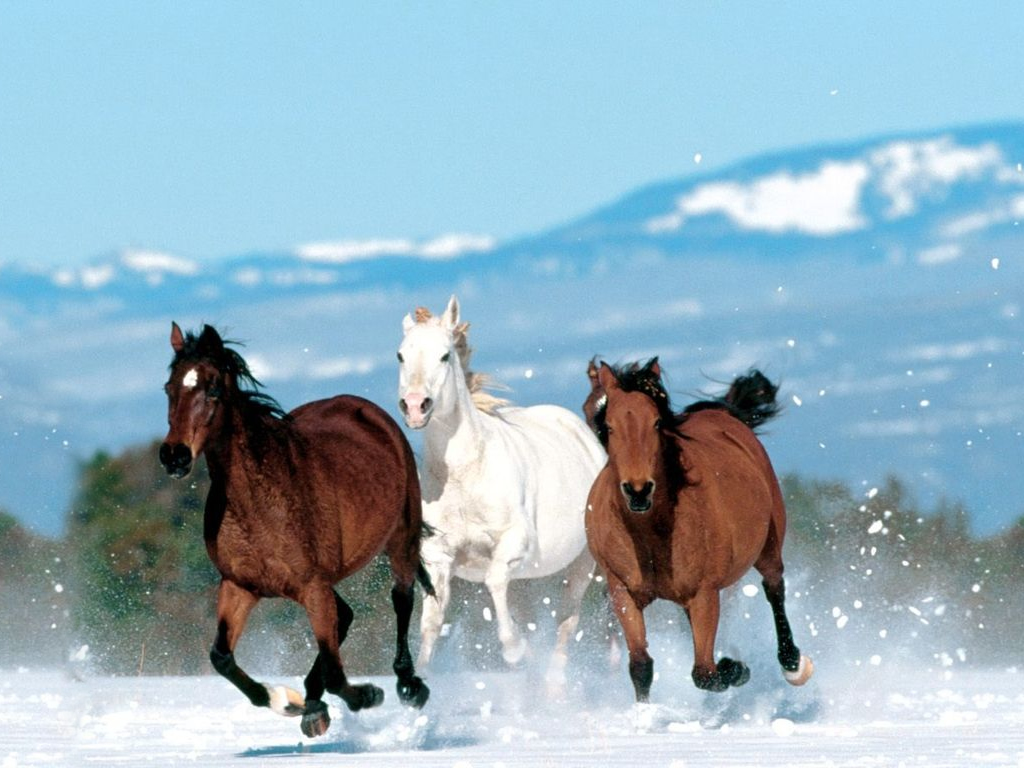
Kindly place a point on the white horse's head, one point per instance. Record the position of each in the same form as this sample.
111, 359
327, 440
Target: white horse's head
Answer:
428, 362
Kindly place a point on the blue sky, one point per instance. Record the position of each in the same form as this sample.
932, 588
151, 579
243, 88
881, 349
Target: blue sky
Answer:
208, 129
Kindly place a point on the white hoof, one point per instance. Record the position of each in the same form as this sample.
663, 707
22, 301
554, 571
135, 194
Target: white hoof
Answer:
513, 653
802, 673
286, 701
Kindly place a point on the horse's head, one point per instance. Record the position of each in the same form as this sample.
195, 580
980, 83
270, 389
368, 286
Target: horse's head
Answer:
201, 375
428, 360
634, 413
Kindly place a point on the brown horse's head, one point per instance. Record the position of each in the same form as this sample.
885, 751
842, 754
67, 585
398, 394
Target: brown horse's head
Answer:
205, 382
633, 421
195, 391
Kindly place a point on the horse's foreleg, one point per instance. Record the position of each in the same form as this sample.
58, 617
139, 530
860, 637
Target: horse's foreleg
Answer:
234, 604
796, 668
631, 617
576, 579
411, 689
434, 608
703, 611
316, 679
327, 617
507, 555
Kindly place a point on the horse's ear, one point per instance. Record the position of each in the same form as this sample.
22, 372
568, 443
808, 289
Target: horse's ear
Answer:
606, 378
407, 322
451, 313
177, 337
592, 372
210, 341
654, 367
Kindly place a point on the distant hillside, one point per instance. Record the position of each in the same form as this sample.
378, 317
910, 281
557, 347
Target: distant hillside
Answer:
880, 281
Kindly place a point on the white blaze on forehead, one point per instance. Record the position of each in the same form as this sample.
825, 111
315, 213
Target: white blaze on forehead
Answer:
191, 378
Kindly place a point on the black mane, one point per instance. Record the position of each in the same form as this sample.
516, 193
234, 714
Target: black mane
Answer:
633, 377
209, 347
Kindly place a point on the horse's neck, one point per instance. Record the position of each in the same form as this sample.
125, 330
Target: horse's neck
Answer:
233, 461
455, 436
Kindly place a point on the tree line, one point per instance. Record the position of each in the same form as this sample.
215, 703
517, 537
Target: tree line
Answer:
129, 589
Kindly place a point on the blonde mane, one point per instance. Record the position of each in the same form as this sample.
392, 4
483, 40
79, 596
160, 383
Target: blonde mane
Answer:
477, 383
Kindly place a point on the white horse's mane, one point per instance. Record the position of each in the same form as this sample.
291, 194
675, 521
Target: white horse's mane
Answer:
478, 383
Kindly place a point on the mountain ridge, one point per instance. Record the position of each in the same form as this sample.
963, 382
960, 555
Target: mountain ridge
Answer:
884, 273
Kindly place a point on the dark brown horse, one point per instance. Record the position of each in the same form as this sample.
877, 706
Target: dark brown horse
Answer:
297, 502
686, 504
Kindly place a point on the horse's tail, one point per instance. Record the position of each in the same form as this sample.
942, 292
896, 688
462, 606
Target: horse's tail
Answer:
422, 576
751, 398
415, 528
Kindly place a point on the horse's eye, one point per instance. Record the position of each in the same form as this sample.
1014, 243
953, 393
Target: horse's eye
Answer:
446, 357
657, 424
215, 391
400, 358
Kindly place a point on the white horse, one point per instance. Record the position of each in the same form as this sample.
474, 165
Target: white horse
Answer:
504, 488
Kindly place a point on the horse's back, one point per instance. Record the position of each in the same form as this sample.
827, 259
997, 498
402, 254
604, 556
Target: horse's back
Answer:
557, 432
540, 463
363, 470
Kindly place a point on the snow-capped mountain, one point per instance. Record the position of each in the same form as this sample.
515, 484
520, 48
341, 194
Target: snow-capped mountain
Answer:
880, 281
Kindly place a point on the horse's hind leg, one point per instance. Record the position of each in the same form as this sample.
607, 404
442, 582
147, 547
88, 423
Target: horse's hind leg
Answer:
438, 566
234, 604
703, 611
796, 668
411, 689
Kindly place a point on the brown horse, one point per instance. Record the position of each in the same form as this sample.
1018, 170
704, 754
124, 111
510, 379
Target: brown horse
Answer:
297, 502
686, 504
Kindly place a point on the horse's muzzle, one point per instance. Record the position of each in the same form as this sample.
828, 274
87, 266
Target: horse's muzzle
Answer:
177, 459
416, 410
639, 500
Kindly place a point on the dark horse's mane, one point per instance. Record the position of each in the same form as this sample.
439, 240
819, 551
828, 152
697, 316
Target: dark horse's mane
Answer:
209, 347
633, 377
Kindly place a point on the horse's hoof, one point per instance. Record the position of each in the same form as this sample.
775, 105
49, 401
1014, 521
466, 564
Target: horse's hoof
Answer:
286, 701
740, 675
728, 672
802, 673
514, 653
364, 696
413, 692
315, 720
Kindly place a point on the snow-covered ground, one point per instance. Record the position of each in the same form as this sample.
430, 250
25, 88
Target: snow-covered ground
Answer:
873, 716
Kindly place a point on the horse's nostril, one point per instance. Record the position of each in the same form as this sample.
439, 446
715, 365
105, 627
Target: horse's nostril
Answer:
427, 404
403, 406
175, 457
638, 494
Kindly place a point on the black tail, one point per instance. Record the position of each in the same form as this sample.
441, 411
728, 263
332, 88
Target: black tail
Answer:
421, 573
751, 399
